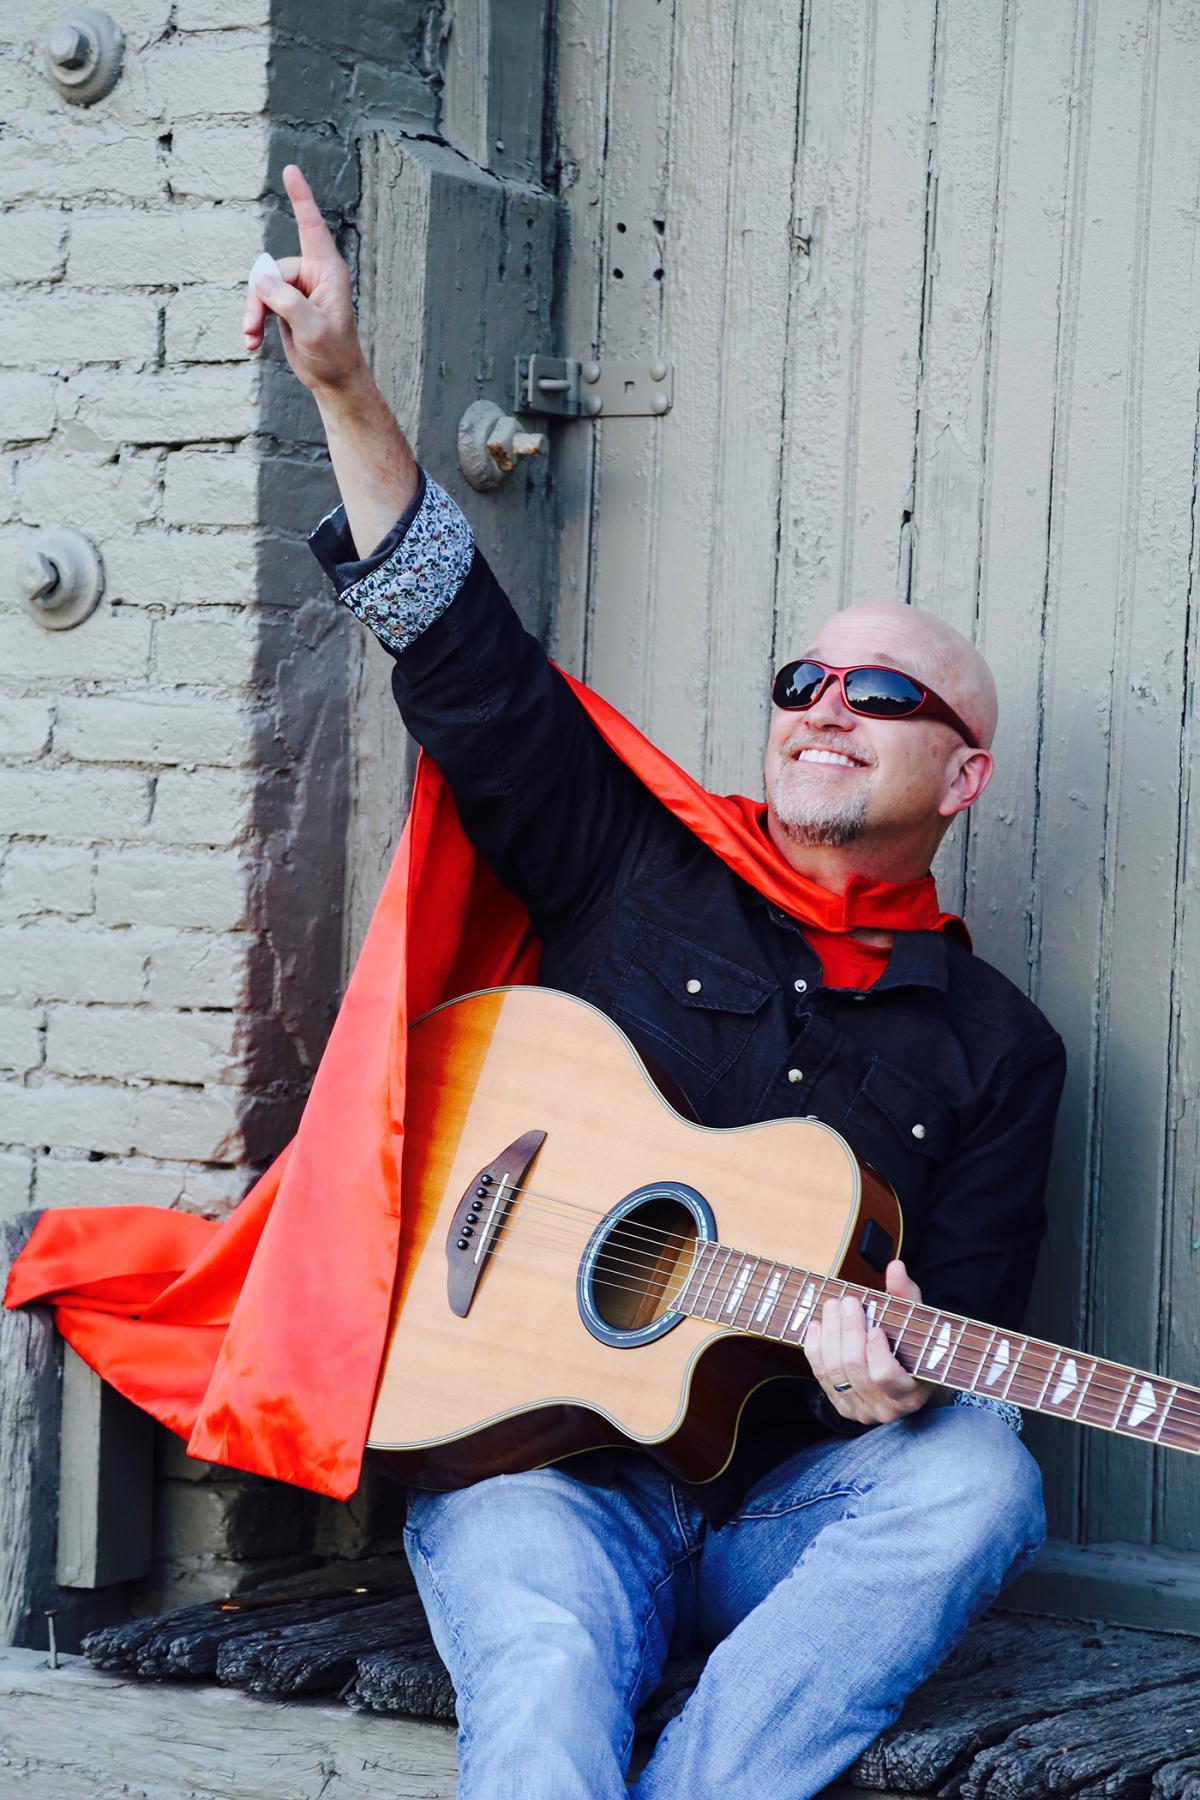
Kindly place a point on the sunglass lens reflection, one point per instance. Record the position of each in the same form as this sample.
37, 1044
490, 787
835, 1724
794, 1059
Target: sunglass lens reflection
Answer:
883, 692
799, 685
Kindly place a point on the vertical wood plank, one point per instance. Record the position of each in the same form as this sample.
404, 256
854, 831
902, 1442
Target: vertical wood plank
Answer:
626, 451
105, 1482
969, 89
494, 84
853, 355
703, 138
1135, 1278
1178, 1521
747, 424
30, 1365
1094, 511
583, 45
892, 301
1027, 339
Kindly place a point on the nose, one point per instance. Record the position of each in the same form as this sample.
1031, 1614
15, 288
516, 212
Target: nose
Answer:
829, 710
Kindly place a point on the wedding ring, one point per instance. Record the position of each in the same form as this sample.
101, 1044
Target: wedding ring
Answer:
842, 1387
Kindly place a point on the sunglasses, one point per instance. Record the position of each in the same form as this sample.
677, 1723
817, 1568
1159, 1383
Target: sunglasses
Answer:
873, 691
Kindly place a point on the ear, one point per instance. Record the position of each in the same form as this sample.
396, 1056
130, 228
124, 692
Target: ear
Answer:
968, 776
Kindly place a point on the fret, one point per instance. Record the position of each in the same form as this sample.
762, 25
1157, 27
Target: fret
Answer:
898, 1343
766, 1306
939, 1346
702, 1265
789, 1297
993, 1334
1124, 1397
1087, 1382
1182, 1433
751, 1293
718, 1277
1016, 1358
875, 1307
964, 1364
1063, 1386
684, 1302
1146, 1404
734, 1298
1166, 1408
933, 1319
799, 1320
998, 1358
1054, 1362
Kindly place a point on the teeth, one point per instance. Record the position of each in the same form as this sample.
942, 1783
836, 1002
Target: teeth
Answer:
828, 756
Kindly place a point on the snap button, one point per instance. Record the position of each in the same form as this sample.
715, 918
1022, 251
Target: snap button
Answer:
693, 986
918, 1131
801, 986
795, 1075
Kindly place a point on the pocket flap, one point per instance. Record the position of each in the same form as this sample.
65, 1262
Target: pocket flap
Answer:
925, 1123
698, 977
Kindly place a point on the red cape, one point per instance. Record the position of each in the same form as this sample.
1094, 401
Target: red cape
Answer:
259, 1339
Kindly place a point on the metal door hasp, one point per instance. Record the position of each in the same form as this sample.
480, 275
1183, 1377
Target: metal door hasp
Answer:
567, 388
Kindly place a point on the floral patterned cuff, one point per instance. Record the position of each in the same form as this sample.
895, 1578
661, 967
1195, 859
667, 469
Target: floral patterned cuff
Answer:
1011, 1415
404, 595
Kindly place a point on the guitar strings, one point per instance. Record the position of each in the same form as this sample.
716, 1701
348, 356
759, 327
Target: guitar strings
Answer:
1033, 1359
1100, 1389
1100, 1385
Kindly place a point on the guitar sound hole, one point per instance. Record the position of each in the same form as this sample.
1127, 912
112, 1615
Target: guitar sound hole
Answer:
642, 1264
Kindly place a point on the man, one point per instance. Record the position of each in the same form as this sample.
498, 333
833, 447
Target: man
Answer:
859, 1528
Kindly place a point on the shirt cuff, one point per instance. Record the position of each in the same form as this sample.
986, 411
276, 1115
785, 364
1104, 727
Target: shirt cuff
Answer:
334, 548
409, 579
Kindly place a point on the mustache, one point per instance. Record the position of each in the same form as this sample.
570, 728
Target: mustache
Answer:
807, 740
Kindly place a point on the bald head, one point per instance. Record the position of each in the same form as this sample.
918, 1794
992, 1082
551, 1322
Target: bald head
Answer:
885, 631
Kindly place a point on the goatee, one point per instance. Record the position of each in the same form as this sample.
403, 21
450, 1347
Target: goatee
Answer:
810, 819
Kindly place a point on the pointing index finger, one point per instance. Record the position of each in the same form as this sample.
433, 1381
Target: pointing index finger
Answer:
315, 238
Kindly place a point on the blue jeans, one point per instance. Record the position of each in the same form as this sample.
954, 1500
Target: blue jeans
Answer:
846, 1577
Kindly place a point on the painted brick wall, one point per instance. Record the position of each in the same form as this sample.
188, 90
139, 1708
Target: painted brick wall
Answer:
173, 772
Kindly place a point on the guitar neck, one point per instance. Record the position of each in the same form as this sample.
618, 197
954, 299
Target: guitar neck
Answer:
773, 1300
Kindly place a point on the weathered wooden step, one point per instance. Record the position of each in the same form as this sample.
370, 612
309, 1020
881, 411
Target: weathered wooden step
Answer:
1008, 1674
74, 1733
1025, 1706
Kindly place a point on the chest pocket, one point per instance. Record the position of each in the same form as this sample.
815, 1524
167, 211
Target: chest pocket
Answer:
692, 1008
904, 1130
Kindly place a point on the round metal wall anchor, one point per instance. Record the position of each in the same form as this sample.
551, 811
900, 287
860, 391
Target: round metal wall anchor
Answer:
490, 443
59, 578
83, 55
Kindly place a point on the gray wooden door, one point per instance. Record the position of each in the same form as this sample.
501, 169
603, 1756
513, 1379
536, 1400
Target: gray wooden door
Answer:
927, 271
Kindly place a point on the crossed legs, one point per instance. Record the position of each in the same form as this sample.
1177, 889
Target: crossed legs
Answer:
848, 1574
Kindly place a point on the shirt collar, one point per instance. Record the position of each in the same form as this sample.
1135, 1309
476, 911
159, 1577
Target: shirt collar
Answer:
918, 958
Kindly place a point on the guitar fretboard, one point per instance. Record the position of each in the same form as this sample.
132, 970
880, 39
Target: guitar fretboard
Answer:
774, 1300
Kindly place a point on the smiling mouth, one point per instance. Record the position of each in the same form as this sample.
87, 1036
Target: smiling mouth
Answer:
834, 759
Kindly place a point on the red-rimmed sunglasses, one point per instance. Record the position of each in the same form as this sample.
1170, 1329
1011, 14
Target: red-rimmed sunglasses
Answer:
873, 690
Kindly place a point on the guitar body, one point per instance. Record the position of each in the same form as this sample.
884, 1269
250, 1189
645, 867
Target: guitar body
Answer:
533, 1312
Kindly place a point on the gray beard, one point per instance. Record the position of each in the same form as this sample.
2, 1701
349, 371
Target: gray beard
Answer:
808, 820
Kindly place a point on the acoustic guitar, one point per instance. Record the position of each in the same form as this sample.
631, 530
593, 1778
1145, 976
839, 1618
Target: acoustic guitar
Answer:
567, 1277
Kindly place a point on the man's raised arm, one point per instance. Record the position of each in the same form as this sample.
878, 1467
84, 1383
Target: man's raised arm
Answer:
376, 471
549, 804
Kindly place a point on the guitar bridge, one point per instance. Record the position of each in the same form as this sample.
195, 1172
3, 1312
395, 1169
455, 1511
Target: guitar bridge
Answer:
479, 1218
